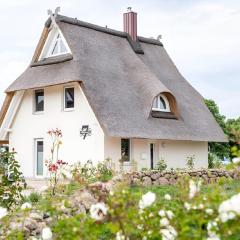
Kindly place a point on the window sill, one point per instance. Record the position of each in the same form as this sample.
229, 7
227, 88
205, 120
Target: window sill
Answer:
161, 114
160, 110
127, 163
38, 113
68, 109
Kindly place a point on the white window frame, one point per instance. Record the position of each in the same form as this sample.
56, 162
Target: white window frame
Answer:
34, 102
55, 39
158, 102
64, 107
36, 140
50, 42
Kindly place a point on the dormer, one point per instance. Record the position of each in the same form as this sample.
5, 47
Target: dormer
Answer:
164, 106
55, 44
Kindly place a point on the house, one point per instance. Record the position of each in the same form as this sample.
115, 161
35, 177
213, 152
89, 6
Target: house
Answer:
113, 94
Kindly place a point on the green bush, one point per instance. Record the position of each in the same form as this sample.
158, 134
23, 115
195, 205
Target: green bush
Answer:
88, 173
11, 180
34, 197
214, 161
190, 162
137, 213
104, 171
161, 165
185, 211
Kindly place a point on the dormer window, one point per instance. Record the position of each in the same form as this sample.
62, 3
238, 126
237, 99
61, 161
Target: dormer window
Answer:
161, 104
55, 45
58, 47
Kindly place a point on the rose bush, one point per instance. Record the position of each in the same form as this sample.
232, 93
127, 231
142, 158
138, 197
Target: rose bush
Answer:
195, 211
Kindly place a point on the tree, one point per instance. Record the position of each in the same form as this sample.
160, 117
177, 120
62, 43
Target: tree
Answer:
233, 128
221, 150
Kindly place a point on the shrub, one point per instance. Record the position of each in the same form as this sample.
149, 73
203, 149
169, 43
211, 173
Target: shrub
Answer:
34, 197
88, 173
161, 165
83, 173
11, 180
140, 214
104, 170
214, 161
190, 162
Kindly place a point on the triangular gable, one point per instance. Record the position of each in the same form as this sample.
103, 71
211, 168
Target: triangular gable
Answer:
54, 45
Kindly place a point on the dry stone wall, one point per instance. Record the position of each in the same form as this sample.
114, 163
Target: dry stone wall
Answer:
154, 177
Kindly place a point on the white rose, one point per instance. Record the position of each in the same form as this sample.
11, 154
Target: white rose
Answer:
209, 211
167, 197
236, 160
169, 214
161, 213
46, 233
3, 212
164, 222
98, 211
147, 200
26, 205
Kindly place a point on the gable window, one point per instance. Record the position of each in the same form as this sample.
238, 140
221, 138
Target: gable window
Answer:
125, 149
58, 47
161, 104
69, 98
39, 100
54, 45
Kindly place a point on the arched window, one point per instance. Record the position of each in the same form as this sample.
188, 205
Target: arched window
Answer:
161, 104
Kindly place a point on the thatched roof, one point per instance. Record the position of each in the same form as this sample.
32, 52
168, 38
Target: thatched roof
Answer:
120, 79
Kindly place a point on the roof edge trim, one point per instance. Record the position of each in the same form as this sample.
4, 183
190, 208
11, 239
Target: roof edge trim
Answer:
75, 21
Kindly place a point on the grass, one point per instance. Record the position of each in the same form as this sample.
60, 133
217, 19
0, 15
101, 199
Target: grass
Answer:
226, 190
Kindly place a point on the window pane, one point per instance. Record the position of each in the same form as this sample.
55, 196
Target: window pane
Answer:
39, 158
63, 48
69, 97
55, 49
125, 149
162, 103
39, 100
155, 105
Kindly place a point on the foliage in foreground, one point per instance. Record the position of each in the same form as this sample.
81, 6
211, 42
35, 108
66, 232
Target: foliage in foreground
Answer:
182, 212
185, 211
11, 180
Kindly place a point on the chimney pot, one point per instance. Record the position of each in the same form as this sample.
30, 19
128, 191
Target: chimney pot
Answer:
130, 23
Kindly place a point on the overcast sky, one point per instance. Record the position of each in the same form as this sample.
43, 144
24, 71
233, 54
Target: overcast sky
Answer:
202, 38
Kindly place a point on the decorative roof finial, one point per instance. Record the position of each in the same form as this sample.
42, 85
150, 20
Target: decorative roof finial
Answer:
159, 37
53, 15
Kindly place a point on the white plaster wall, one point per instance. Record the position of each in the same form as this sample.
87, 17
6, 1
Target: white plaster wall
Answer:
112, 150
176, 152
173, 152
28, 126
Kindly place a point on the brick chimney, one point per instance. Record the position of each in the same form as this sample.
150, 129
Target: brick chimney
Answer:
130, 23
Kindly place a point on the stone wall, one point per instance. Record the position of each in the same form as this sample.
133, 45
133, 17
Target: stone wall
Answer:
154, 177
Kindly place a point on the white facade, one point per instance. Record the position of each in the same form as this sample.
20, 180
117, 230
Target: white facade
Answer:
174, 153
28, 126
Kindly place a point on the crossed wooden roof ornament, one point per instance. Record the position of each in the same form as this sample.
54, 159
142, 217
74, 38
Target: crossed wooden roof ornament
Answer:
53, 15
